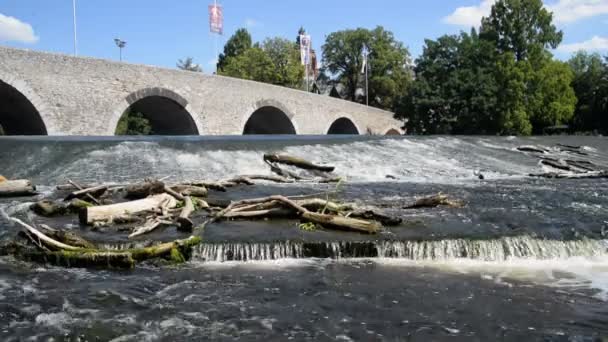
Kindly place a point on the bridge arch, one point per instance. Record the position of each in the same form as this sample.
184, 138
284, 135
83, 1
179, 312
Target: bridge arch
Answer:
21, 110
392, 131
269, 117
343, 125
168, 112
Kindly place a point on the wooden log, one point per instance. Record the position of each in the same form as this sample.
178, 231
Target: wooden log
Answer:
185, 224
2, 179
190, 190
67, 237
533, 149
15, 188
93, 191
317, 204
42, 238
297, 162
435, 201
265, 213
145, 189
173, 193
88, 195
270, 178
375, 216
344, 223
71, 187
581, 175
149, 226
107, 213
216, 186
557, 164
328, 221
282, 172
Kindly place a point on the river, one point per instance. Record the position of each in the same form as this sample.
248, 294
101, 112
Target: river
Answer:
526, 258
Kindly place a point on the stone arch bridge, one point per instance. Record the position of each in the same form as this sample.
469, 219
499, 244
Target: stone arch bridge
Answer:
52, 94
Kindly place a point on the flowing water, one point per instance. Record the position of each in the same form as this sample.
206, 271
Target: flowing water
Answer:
525, 259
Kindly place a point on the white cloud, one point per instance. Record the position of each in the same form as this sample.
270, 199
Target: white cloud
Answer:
251, 23
564, 11
12, 29
469, 15
594, 44
568, 11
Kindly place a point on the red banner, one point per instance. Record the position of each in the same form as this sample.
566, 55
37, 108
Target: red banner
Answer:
216, 19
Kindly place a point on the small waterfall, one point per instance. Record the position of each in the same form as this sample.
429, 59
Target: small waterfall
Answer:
486, 250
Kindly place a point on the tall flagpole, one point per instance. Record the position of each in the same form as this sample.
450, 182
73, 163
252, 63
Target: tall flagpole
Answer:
75, 32
215, 43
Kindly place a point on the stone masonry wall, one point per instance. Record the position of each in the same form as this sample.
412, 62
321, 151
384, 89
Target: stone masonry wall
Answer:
86, 96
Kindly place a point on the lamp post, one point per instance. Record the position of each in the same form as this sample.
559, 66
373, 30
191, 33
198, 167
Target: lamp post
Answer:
121, 44
75, 36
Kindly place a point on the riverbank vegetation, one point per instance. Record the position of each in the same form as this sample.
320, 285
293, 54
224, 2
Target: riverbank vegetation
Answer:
134, 123
500, 78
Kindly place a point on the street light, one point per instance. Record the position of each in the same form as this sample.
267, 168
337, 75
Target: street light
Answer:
121, 44
75, 36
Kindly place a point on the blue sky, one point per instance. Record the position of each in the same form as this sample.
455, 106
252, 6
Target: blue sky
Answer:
158, 32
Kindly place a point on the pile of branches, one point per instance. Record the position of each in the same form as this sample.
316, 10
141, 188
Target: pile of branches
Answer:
146, 206
565, 168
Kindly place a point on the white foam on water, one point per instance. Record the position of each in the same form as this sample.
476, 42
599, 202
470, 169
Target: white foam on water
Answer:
439, 160
572, 273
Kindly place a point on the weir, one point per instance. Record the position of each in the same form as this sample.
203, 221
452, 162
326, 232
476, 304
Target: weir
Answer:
504, 249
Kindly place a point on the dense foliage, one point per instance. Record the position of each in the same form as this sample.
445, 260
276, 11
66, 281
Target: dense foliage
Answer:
237, 44
275, 61
591, 88
389, 65
134, 124
500, 81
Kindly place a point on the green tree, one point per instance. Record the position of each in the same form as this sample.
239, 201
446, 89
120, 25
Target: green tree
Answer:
188, 65
455, 88
589, 85
134, 123
513, 117
237, 44
254, 64
551, 98
523, 27
389, 72
285, 57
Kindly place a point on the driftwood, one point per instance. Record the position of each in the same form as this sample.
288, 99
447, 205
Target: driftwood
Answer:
145, 189
185, 224
150, 225
108, 213
579, 175
66, 237
533, 149
325, 220
557, 164
282, 172
375, 216
14, 188
435, 201
95, 192
87, 194
297, 162
190, 190
173, 193
86, 255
